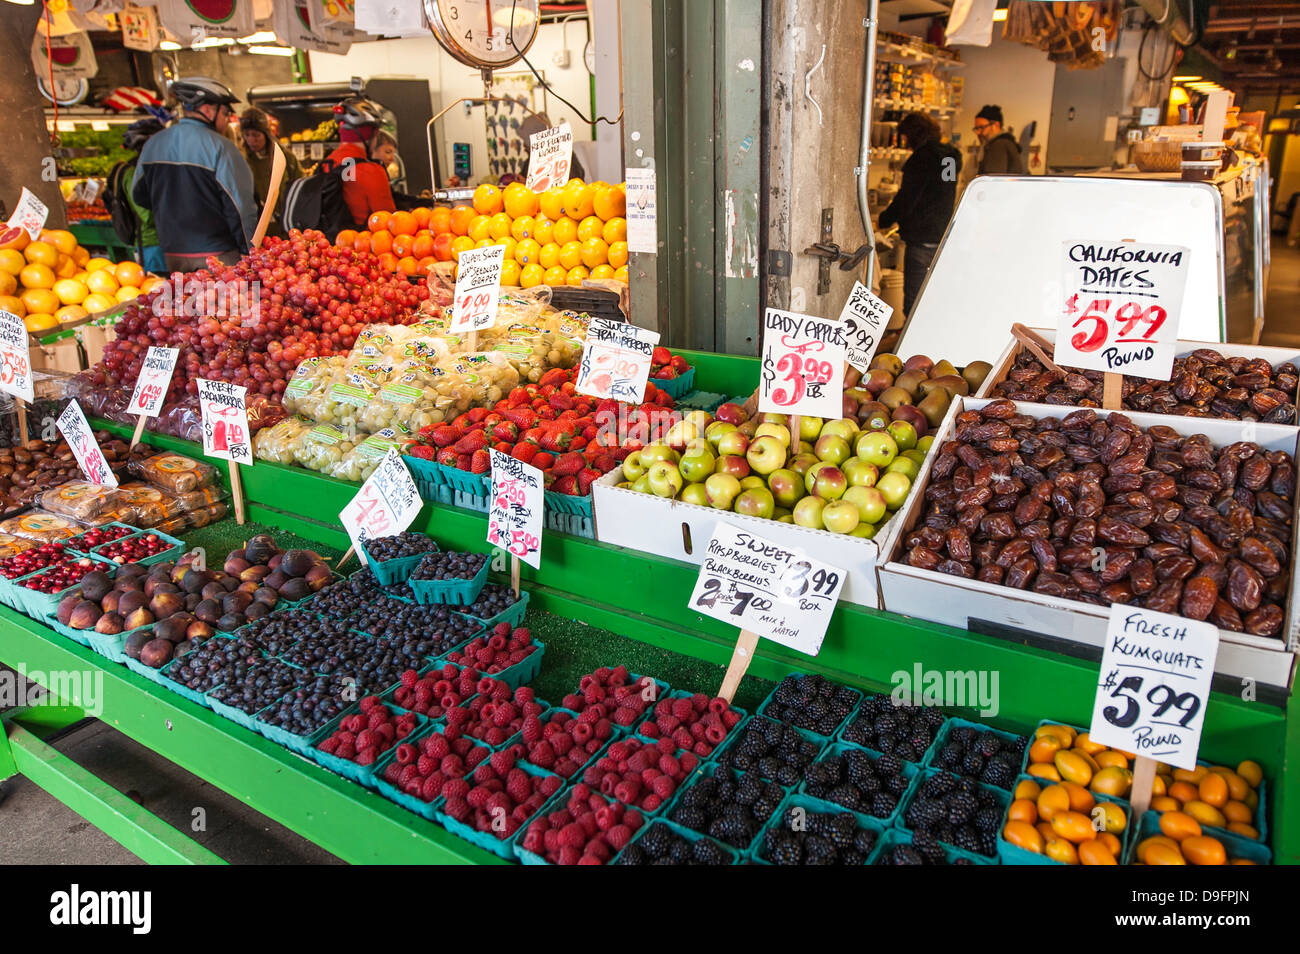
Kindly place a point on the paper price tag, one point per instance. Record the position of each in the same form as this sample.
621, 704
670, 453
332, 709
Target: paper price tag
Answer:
1122, 305
550, 154
515, 514
225, 422
16, 371
1154, 683
641, 215
865, 318
386, 504
90, 192
781, 594
615, 360
478, 288
76, 431
154, 380
803, 365
317, 150
29, 214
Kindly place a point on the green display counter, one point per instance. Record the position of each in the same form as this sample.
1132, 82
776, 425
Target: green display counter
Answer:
635, 594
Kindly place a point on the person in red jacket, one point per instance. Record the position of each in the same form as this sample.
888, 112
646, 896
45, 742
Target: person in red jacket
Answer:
365, 183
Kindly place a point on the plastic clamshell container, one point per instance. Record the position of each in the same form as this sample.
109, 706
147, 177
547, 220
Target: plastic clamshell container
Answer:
1199, 171
941, 739
1200, 150
910, 772
451, 592
816, 806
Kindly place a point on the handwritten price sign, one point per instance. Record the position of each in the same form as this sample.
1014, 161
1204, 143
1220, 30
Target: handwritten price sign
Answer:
76, 431
1155, 681
478, 287
781, 594
515, 514
154, 380
550, 154
615, 360
803, 365
16, 369
225, 422
386, 504
1122, 306
865, 318
30, 214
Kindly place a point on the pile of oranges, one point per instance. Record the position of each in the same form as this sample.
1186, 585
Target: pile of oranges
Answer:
1066, 823
557, 237
54, 280
1181, 842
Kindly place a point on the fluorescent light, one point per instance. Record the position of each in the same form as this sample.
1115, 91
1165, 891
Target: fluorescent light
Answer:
23, 3
1185, 79
265, 36
168, 45
999, 15
272, 50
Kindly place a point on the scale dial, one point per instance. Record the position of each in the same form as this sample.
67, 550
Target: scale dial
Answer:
479, 32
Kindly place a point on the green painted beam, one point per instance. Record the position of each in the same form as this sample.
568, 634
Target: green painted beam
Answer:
43, 720
143, 834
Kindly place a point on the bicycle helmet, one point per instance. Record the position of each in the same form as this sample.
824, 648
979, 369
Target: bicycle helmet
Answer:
195, 91
138, 133
359, 111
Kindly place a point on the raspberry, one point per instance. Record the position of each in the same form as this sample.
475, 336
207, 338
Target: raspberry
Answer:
502, 762
484, 774
478, 797
651, 802
532, 729
365, 739
682, 709
664, 787
431, 789
369, 702
572, 835
542, 755
519, 787
452, 765
618, 836
455, 788
367, 756
458, 809
624, 716
409, 678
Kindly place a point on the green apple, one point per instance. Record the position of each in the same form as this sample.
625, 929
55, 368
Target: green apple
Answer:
803, 447
632, 466
715, 432
801, 462
779, 431
665, 479
915, 456
832, 448
721, 490
697, 465
810, 428
810, 475
860, 473
779, 512
785, 518
756, 502
733, 444
642, 484
925, 443
905, 466
766, 454
870, 504
808, 512
752, 481
830, 483
786, 486
875, 447
695, 494
840, 516
903, 433
843, 428
866, 530
894, 486
701, 419
771, 417
681, 434
658, 452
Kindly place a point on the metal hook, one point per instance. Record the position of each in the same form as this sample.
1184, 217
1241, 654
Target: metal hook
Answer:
807, 84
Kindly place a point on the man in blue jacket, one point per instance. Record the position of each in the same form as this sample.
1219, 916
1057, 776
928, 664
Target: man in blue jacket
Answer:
197, 183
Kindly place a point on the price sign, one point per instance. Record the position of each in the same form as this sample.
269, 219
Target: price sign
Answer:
1121, 308
803, 365
642, 225
90, 190
616, 360
29, 214
317, 150
478, 287
550, 153
782, 594
1155, 681
16, 372
515, 514
386, 504
76, 431
154, 380
865, 318
225, 422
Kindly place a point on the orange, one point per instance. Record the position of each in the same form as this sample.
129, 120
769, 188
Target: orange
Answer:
1024, 835
1113, 780
38, 323
80, 256
422, 247
590, 227
1022, 810
1214, 790
1081, 799
1060, 850
1179, 825
1074, 766
603, 271
423, 214
8, 284
70, 292
13, 304
528, 252
460, 244
442, 246
64, 241
345, 238
127, 292
1205, 814
531, 275
499, 225
1203, 850
381, 241
42, 253
1112, 843
576, 276
1045, 771
484, 243
571, 254
578, 198
70, 313
594, 252
407, 265
378, 221
129, 273
66, 267
620, 274
549, 256
403, 223
556, 275
487, 199
1096, 853
1052, 800
1027, 788
1184, 791
609, 202
1082, 741
426, 263
519, 200
461, 216
41, 300
37, 276
615, 230
402, 245
478, 227
543, 229
551, 202
1043, 749
440, 220
14, 238
11, 260
565, 231
510, 270
1251, 772
96, 302
362, 242
95, 264
1073, 826
388, 261
510, 244
522, 227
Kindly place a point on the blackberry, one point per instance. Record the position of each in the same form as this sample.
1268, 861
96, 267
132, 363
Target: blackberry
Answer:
657, 842
708, 852
896, 784
883, 805
989, 745
692, 818
845, 795
999, 774
783, 849
961, 807
889, 765
818, 850
950, 755
905, 855
714, 806
817, 838
811, 702
968, 839
928, 845
972, 764
682, 852
987, 819
660, 845
632, 855
864, 840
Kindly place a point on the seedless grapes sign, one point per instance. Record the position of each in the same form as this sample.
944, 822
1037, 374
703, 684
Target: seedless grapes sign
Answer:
1121, 309
803, 365
478, 288
781, 594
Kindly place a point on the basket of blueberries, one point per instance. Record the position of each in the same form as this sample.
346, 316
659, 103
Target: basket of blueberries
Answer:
449, 577
392, 559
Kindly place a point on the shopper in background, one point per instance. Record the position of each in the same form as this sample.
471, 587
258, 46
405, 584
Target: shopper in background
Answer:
196, 182
1001, 155
365, 177
259, 150
132, 223
924, 200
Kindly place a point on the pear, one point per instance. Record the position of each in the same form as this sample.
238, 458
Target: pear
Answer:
975, 373
934, 406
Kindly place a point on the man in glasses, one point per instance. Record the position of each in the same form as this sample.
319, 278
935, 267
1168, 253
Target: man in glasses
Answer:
1001, 154
197, 182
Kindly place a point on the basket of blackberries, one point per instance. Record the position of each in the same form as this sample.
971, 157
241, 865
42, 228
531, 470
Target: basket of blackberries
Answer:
448, 576
393, 559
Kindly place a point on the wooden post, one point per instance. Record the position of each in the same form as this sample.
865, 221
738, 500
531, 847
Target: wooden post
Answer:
237, 491
473, 341
1112, 391
1144, 774
272, 194
740, 660
347, 554
22, 419
514, 574
794, 434
139, 431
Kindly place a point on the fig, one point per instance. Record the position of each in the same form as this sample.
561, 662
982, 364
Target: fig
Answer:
66, 606
131, 601
229, 583
266, 595
135, 642
236, 565
84, 615
319, 577
110, 624
195, 580
198, 630
256, 610
298, 563
156, 653
128, 584
192, 600
213, 591
166, 604
260, 548
296, 589
274, 562
182, 648
110, 601
95, 585
254, 574
130, 570
236, 602
276, 580
141, 617
172, 629
209, 611
231, 622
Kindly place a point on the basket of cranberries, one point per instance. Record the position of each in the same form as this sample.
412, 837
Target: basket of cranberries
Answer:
97, 536
39, 593
14, 568
146, 548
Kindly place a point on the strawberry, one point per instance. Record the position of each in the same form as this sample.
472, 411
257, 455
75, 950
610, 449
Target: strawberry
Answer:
603, 463
462, 422
521, 417
421, 451
543, 460
555, 441
553, 377
585, 479
607, 406
660, 355
578, 443
566, 485
476, 414
517, 398
492, 420
590, 432
680, 365
506, 431
503, 447
666, 373
524, 451
444, 434
662, 398
446, 456
548, 413
474, 440
569, 463
480, 462
463, 461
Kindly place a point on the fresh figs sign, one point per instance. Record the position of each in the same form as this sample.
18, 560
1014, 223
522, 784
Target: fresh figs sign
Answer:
803, 365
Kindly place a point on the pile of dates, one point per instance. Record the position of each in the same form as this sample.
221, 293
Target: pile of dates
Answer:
1203, 384
1100, 510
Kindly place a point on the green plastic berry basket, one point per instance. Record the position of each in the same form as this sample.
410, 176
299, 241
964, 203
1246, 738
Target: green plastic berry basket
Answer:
842, 735
1236, 846
387, 698
235, 715
514, 738
758, 853
734, 740
193, 695
648, 716
79, 636
294, 742
945, 730
394, 794
466, 500
173, 552
40, 606
901, 836
71, 544
450, 592
512, 614
676, 387
911, 773
576, 775
828, 737
488, 841
1002, 797
335, 577
149, 672
478, 485
428, 481
698, 400
702, 771
520, 674
568, 503
556, 802
361, 774
734, 857
575, 525
110, 647
391, 572
1009, 854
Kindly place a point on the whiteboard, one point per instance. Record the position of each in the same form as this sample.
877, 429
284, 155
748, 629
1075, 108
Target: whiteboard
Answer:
1000, 261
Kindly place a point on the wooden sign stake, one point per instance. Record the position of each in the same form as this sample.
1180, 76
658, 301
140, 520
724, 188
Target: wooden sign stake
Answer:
794, 434
347, 555
514, 574
22, 419
139, 430
740, 660
1040, 346
473, 341
272, 194
236, 491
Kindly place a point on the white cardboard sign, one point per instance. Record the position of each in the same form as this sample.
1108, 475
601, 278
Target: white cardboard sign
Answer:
29, 214
76, 431
386, 504
16, 370
865, 318
1154, 684
478, 288
154, 380
550, 154
641, 215
225, 422
515, 508
1122, 306
616, 360
803, 365
781, 594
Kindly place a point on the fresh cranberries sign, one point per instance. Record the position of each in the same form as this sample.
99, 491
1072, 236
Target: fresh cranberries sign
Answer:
1121, 307
803, 365
225, 422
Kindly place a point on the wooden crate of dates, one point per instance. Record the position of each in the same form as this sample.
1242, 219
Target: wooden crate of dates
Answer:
1210, 379
1025, 559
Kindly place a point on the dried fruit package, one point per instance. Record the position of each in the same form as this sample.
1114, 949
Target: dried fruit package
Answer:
199, 499
205, 515
152, 506
175, 473
9, 545
80, 499
276, 444
41, 526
